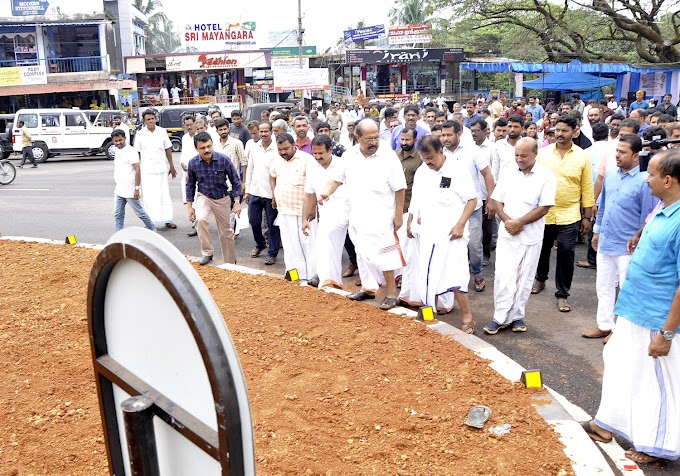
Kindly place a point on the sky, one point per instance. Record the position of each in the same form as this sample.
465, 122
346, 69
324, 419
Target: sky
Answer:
323, 21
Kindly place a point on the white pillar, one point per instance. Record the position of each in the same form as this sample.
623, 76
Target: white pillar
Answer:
519, 85
403, 86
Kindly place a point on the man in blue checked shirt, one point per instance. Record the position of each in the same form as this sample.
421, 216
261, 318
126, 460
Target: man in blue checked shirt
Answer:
624, 204
210, 171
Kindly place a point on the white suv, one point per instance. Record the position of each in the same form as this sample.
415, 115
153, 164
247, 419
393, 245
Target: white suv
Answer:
56, 131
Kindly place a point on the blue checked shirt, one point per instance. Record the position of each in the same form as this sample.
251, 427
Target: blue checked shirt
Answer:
625, 203
212, 177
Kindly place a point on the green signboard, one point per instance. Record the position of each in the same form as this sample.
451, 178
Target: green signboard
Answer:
293, 51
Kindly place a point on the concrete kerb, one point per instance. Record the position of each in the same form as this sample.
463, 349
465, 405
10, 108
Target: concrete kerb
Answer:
556, 410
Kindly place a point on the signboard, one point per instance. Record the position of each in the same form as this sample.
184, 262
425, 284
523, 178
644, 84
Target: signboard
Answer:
255, 59
172, 395
282, 37
654, 84
363, 34
403, 35
219, 36
293, 79
289, 63
23, 75
293, 52
404, 55
22, 8
53, 8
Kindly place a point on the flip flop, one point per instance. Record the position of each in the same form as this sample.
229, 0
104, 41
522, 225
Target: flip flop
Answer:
361, 295
640, 457
478, 416
591, 433
468, 327
480, 285
255, 252
388, 303
563, 305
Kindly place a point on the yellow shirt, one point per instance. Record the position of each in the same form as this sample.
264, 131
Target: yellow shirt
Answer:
574, 183
26, 140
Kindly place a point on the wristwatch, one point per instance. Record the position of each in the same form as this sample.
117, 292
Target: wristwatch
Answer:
668, 335
136, 187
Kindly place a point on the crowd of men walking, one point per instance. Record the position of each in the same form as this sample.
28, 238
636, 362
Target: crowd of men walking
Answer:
420, 199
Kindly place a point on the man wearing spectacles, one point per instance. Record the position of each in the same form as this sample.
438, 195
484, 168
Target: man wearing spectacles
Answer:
375, 185
411, 115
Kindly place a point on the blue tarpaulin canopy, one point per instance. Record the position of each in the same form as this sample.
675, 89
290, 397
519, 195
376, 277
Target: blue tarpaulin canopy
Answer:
568, 82
572, 67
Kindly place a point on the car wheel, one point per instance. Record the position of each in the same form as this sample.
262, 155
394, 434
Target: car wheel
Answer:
176, 146
40, 153
110, 150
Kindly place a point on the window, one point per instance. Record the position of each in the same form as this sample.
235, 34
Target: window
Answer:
74, 120
30, 120
50, 120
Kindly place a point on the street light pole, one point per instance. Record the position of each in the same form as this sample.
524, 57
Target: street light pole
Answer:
300, 32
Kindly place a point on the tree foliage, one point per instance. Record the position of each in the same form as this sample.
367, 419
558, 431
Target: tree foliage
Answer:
589, 30
409, 12
161, 36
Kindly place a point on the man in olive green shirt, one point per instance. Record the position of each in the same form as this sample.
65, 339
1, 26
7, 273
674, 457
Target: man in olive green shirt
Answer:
26, 144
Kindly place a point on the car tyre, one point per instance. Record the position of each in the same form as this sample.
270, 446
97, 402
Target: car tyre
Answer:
40, 153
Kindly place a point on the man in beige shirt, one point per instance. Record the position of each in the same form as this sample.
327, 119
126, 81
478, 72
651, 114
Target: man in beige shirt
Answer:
27, 145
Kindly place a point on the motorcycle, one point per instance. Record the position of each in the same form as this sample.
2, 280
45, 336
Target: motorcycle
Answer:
7, 172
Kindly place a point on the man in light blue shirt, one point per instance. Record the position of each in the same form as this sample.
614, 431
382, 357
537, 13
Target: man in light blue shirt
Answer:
624, 204
411, 114
641, 378
535, 109
640, 101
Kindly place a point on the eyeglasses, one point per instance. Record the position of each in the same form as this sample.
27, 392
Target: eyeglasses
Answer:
370, 140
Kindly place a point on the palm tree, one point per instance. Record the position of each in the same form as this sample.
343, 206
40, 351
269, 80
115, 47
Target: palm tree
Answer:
408, 12
160, 34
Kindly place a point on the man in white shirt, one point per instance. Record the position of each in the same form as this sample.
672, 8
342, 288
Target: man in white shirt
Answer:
188, 151
165, 97
522, 198
174, 91
155, 154
376, 187
128, 182
443, 200
466, 139
259, 194
503, 155
475, 164
232, 148
484, 148
333, 216
118, 124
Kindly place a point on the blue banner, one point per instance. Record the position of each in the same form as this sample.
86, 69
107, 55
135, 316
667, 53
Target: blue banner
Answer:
22, 8
363, 34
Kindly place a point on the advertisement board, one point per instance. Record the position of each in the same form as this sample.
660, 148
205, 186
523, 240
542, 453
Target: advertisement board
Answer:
50, 8
23, 75
404, 35
289, 63
404, 55
218, 36
293, 51
363, 34
654, 84
293, 79
254, 59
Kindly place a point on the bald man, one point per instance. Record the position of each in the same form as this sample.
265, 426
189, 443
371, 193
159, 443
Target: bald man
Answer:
375, 184
522, 197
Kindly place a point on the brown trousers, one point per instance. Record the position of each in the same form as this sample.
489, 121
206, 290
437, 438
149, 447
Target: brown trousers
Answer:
221, 208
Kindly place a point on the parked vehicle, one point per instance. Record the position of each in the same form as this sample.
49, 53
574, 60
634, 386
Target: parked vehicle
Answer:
171, 119
6, 121
61, 131
252, 113
104, 118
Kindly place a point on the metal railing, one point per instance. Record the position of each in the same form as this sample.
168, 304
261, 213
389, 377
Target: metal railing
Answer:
80, 64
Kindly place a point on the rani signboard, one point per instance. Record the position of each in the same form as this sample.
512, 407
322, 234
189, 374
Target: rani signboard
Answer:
404, 55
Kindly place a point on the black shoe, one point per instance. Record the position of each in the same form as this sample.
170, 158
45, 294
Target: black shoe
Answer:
34, 167
193, 232
205, 260
314, 281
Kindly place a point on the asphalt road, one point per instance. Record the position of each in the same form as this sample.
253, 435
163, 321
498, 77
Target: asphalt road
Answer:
74, 195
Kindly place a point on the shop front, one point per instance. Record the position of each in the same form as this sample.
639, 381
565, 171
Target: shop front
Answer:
200, 78
401, 72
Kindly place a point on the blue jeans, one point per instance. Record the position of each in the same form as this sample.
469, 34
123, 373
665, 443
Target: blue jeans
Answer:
475, 249
255, 206
119, 212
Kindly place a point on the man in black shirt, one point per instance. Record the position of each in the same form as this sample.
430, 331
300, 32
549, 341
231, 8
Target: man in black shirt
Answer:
239, 130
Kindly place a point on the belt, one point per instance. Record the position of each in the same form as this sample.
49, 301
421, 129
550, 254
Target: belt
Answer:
217, 198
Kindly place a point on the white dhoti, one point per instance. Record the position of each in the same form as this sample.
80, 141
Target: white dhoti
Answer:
640, 394
156, 197
183, 186
376, 253
516, 265
329, 242
611, 270
298, 252
406, 248
435, 271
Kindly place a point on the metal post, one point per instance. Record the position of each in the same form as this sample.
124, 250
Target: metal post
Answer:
141, 440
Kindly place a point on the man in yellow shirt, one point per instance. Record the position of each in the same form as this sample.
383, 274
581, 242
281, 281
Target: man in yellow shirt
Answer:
26, 145
571, 166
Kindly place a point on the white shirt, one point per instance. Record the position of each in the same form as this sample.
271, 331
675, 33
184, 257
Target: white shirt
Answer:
248, 149
188, 150
484, 152
502, 158
466, 139
259, 164
337, 205
164, 93
125, 129
151, 146
175, 92
123, 172
520, 193
470, 161
371, 185
439, 198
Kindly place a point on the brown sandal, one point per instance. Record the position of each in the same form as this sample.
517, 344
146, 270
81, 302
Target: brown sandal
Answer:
468, 327
537, 287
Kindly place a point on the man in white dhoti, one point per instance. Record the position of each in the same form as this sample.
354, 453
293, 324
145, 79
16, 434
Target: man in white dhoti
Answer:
188, 151
443, 200
155, 154
333, 216
288, 175
641, 380
522, 198
375, 186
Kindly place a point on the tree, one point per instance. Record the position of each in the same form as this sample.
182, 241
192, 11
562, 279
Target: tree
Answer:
590, 30
408, 12
160, 34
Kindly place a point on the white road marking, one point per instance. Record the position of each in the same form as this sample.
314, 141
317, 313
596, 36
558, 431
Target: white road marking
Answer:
26, 189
